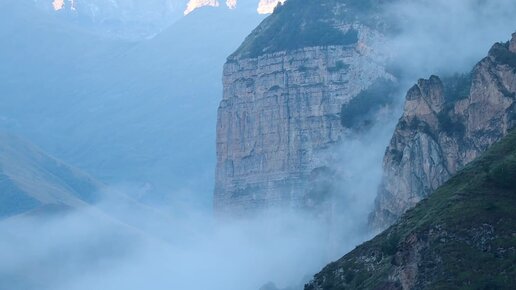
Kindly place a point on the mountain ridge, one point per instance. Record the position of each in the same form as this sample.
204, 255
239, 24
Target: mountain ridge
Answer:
460, 237
445, 125
31, 179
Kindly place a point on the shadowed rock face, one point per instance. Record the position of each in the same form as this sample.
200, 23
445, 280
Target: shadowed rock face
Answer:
280, 112
445, 126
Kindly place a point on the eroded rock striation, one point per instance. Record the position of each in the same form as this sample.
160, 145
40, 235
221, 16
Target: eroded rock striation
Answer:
282, 101
446, 124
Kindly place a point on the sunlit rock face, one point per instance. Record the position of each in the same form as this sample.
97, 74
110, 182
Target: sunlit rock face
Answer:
446, 124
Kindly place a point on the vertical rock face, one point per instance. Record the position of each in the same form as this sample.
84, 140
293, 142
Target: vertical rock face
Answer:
280, 110
445, 125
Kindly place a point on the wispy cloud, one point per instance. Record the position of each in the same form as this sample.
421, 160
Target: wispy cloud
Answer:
441, 36
90, 250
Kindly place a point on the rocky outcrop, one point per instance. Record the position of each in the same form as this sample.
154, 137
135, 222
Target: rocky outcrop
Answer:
461, 237
446, 124
281, 107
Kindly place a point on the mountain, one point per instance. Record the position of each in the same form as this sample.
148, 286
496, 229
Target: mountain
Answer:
135, 114
136, 20
127, 19
36, 187
150, 110
284, 89
460, 237
264, 6
44, 51
446, 124
31, 180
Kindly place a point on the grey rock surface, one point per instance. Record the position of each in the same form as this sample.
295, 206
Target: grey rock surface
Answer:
279, 112
442, 130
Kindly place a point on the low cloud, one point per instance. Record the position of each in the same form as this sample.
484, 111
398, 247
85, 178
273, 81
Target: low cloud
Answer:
444, 37
145, 249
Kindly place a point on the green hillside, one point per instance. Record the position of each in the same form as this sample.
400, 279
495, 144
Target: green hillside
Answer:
306, 23
462, 237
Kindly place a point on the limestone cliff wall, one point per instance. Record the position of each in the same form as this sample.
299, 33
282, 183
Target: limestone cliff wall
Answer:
280, 111
445, 126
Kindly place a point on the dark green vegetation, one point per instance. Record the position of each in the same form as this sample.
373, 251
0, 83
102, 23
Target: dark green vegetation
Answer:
305, 23
358, 112
462, 237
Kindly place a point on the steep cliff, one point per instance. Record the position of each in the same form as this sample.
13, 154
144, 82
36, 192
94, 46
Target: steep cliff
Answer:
461, 237
446, 124
284, 89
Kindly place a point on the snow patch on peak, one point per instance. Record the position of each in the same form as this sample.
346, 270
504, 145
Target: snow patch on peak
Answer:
264, 6
58, 4
231, 4
267, 6
194, 4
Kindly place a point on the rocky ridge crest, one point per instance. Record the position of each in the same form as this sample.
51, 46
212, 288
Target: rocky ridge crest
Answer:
446, 124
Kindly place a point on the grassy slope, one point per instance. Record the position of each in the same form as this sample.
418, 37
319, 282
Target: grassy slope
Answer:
29, 178
462, 237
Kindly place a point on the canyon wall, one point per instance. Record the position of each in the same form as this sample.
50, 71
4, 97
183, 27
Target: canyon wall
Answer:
446, 124
281, 109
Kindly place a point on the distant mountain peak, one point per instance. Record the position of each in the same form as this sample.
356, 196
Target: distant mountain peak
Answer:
134, 20
267, 6
196, 4
264, 6
61, 4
